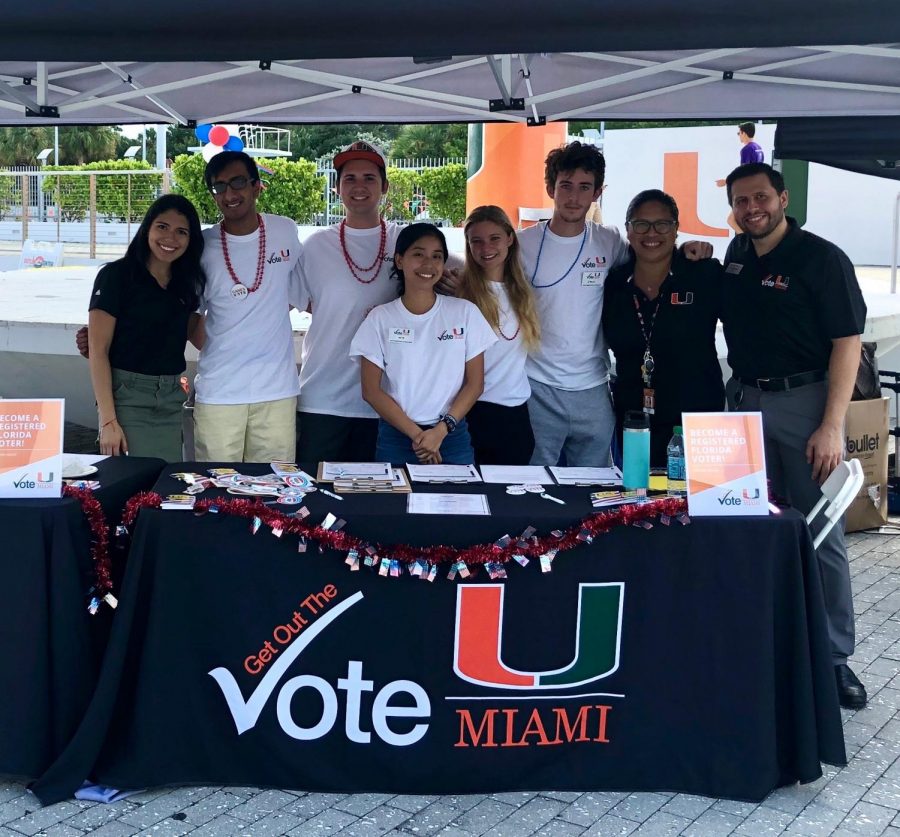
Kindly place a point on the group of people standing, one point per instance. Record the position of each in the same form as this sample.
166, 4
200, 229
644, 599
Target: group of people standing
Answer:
413, 355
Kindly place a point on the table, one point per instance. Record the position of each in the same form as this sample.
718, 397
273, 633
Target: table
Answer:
698, 660
50, 646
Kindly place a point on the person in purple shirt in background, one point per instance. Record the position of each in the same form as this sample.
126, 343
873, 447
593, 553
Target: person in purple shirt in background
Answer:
750, 150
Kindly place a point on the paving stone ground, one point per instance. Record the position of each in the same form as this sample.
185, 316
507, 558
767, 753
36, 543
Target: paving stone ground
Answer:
859, 800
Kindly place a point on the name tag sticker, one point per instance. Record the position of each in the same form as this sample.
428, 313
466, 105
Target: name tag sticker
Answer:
734, 268
592, 278
402, 335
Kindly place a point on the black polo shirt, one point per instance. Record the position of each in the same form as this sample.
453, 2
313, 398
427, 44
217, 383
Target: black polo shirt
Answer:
687, 376
151, 322
782, 310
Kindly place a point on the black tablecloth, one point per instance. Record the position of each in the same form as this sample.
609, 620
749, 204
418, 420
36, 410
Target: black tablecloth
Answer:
49, 643
715, 672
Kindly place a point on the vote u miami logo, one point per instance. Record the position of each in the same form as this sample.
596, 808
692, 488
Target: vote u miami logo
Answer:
477, 654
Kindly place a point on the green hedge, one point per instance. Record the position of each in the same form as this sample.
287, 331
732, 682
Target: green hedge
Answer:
292, 190
72, 194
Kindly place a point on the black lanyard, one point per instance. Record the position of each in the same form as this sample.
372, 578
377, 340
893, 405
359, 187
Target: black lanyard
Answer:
648, 365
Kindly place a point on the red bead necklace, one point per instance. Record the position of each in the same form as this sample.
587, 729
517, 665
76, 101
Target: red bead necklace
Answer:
500, 332
353, 266
240, 290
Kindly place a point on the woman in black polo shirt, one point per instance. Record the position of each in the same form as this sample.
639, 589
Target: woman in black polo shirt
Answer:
142, 311
659, 319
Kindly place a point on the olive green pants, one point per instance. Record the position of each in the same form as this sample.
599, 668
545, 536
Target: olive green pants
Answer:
149, 409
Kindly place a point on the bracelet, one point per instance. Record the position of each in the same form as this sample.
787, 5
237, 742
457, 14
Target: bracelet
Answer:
111, 421
450, 422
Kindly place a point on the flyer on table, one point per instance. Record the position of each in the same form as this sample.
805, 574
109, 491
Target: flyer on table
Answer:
726, 464
31, 443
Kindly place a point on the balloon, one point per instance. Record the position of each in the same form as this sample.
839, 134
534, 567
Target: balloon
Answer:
218, 135
210, 150
202, 132
234, 144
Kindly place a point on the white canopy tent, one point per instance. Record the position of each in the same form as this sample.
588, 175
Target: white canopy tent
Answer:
305, 61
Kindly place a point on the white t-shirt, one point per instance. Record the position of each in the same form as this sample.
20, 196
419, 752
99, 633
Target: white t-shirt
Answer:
568, 290
505, 381
248, 356
423, 355
329, 379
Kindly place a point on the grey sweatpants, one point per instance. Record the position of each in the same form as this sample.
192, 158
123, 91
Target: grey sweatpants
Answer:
789, 419
575, 424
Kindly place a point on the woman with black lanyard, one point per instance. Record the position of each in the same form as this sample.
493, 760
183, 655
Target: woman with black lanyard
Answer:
659, 319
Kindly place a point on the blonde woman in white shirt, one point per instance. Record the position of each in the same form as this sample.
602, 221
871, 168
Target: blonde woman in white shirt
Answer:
493, 279
422, 358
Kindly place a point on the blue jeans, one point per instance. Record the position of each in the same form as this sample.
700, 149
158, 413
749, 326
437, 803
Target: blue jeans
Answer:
394, 446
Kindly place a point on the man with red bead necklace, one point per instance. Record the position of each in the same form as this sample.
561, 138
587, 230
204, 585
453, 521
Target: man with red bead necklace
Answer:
346, 273
246, 380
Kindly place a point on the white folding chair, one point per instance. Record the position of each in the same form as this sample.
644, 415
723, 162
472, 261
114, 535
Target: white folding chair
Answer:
534, 214
838, 492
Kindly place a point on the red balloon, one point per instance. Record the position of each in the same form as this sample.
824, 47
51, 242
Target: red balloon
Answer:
218, 135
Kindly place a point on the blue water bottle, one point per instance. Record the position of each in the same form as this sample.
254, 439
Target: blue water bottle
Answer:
636, 450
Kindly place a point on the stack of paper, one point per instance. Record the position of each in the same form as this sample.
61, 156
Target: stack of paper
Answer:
603, 499
443, 473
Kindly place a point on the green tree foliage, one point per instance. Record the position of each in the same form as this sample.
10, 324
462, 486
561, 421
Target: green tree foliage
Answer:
403, 198
293, 189
446, 191
187, 180
119, 197
20, 146
313, 141
78, 144
417, 141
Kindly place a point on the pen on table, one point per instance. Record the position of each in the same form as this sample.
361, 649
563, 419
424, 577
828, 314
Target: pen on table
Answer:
328, 493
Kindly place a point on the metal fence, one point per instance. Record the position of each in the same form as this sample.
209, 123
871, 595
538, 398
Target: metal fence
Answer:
402, 201
79, 207
100, 208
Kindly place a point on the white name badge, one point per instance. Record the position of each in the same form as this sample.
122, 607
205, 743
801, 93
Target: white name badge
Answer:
592, 278
734, 268
402, 335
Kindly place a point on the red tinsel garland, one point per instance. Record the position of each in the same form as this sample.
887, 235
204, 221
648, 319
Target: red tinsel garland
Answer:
93, 511
559, 541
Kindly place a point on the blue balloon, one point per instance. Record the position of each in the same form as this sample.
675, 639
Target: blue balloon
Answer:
202, 132
234, 144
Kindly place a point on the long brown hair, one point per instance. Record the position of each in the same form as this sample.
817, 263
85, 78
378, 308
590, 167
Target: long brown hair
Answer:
475, 286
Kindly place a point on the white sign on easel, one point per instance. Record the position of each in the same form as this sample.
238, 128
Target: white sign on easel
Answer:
725, 460
31, 443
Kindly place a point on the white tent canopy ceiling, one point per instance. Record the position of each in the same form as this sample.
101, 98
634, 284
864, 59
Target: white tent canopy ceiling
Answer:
176, 62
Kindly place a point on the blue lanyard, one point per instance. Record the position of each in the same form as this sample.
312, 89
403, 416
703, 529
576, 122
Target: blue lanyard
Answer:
537, 261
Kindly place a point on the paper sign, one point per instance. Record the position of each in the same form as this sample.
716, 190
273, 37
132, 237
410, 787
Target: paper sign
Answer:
726, 464
31, 442
40, 254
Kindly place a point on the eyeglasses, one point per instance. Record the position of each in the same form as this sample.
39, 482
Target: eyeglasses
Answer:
662, 227
236, 183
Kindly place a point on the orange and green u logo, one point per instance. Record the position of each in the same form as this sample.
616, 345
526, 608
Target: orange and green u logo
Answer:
479, 636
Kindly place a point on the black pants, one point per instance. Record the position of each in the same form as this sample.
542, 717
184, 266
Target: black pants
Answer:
500, 435
328, 438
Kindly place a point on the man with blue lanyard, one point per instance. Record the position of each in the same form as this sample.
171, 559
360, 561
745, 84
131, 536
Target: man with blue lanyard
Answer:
567, 260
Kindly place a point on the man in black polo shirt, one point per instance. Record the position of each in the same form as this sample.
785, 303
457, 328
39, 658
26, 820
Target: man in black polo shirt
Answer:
793, 314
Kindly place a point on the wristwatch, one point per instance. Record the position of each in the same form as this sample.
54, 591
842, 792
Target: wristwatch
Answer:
449, 421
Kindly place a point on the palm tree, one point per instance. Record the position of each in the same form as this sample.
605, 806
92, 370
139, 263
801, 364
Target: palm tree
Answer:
20, 146
86, 144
